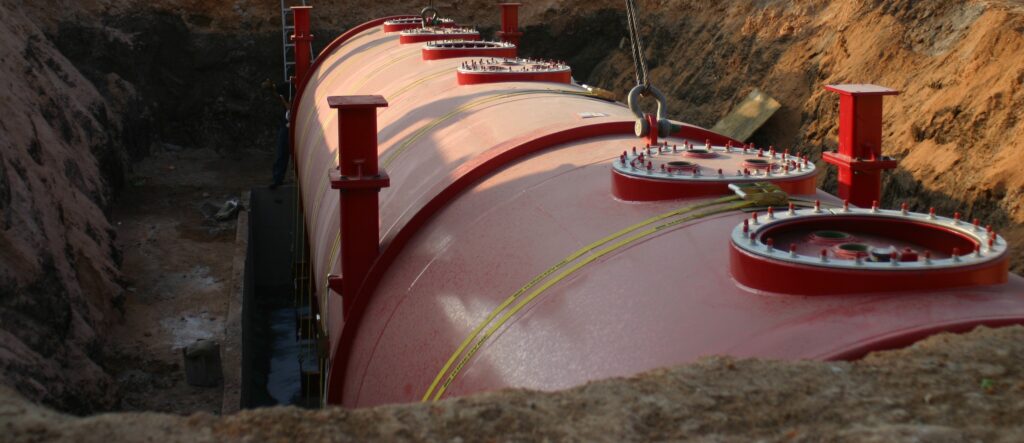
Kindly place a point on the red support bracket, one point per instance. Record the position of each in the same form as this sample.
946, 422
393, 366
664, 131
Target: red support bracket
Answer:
359, 180
510, 23
303, 40
859, 158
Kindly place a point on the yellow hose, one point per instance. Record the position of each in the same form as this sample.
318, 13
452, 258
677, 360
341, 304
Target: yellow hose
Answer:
511, 299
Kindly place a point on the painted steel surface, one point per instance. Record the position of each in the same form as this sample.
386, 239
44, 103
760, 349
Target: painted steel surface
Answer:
481, 203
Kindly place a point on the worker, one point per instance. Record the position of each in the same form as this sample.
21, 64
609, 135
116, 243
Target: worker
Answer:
283, 94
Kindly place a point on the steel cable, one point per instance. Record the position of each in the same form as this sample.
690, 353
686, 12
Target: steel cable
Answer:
637, 46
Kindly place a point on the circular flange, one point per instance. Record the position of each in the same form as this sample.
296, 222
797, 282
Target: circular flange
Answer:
420, 35
700, 153
869, 250
444, 49
497, 70
402, 24
648, 174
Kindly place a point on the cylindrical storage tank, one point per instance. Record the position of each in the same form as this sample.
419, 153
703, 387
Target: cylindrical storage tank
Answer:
507, 259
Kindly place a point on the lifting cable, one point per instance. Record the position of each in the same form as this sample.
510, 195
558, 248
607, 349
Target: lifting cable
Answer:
637, 48
646, 126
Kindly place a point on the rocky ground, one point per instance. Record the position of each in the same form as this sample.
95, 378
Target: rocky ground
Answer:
102, 242
945, 389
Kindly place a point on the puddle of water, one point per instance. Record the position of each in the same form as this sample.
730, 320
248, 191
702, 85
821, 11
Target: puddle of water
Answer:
186, 329
283, 381
197, 279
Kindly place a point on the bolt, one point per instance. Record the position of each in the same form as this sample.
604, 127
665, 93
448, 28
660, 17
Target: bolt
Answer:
622, 158
675, 148
931, 213
770, 244
634, 150
991, 243
927, 257
956, 255
771, 213
746, 226
755, 218
824, 255
720, 173
752, 238
956, 218
650, 166
904, 208
874, 205
977, 251
859, 258
894, 258
792, 250
663, 168
846, 206
817, 206
792, 209
977, 224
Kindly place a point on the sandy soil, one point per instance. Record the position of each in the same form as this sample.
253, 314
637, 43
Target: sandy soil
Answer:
946, 389
177, 270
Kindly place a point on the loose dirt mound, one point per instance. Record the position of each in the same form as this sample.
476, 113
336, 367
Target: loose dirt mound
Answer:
948, 388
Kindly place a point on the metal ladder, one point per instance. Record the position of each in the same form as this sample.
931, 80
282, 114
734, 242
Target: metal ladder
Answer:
288, 46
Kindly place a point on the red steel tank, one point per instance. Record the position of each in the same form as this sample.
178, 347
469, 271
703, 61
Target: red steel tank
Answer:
493, 224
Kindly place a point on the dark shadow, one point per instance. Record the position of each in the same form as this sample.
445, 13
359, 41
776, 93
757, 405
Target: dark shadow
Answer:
270, 346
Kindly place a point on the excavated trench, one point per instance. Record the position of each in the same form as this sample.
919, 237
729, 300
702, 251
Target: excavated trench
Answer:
188, 98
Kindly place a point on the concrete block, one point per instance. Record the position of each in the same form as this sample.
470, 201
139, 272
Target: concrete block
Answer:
202, 364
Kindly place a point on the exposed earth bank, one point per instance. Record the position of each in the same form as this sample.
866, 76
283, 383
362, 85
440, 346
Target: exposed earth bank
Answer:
92, 88
945, 389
